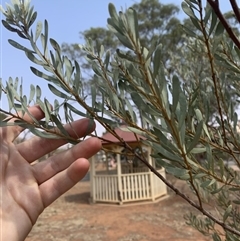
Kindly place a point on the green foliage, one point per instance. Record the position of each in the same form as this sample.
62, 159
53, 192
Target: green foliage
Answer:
2, 116
176, 106
156, 22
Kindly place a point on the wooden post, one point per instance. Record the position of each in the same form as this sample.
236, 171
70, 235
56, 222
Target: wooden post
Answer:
119, 176
92, 180
151, 174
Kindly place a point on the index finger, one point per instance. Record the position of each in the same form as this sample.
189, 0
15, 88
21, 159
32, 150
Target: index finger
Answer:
10, 133
37, 147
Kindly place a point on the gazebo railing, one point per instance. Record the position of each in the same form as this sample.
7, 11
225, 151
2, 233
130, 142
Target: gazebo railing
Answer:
105, 188
136, 186
132, 187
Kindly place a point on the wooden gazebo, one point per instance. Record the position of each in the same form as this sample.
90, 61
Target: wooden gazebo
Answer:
122, 178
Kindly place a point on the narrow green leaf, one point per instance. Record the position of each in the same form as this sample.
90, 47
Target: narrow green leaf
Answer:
38, 30
130, 109
188, 10
107, 59
77, 78
44, 134
213, 22
157, 60
227, 213
59, 125
177, 172
236, 202
55, 45
4, 123
94, 95
68, 68
8, 27
138, 101
32, 20
132, 24
124, 40
112, 11
206, 131
15, 86
113, 26
33, 58
52, 59
198, 115
196, 138
57, 92
126, 56
207, 183
30, 15
21, 35
101, 52
134, 130
76, 111
47, 110
19, 46
219, 29
216, 237
208, 13
176, 89
56, 107
199, 175
196, 23
96, 69
107, 121
26, 110
189, 32
148, 52
32, 93
221, 166
166, 154
45, 37
38, 92
183, 110
217, 190
10, 96
42, 75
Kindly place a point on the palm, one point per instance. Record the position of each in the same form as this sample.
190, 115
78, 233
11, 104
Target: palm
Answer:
27, 189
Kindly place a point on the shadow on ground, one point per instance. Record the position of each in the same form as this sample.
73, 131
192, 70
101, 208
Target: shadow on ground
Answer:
81, 198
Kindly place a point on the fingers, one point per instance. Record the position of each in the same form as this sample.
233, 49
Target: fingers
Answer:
9, 133
37, 147
63, 181
59, 162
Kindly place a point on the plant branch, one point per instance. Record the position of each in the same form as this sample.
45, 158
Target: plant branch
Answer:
235, 9
215, 7
185, 197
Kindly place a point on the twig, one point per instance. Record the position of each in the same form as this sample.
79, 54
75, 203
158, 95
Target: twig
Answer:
185, 197
215, 7
235, 9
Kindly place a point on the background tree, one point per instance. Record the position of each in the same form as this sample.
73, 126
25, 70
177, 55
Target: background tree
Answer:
158, 23
177, 113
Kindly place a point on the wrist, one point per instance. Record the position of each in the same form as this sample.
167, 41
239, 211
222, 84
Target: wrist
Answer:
14, 230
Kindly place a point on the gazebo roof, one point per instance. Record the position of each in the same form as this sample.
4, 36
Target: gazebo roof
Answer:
127, 136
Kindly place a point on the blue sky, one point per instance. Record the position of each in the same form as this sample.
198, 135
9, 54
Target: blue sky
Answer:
66, 19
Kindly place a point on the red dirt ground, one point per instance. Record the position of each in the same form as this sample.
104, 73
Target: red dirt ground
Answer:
72, 218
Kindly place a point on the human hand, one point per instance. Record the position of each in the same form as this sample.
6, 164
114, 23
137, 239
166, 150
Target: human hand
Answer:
25, 189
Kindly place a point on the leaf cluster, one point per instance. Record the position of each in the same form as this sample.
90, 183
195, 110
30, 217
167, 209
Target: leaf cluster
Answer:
185, 138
